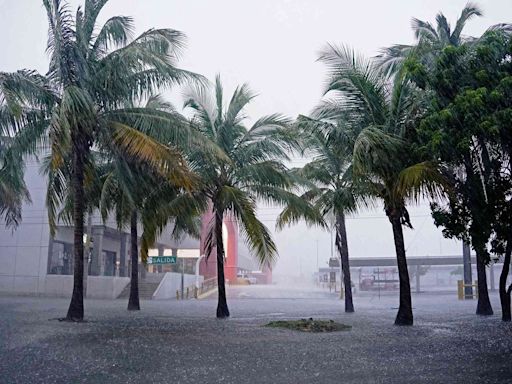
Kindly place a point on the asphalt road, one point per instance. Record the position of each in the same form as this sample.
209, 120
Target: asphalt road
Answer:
182, 342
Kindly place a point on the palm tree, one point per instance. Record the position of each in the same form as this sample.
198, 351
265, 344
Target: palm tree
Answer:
136, 192
329, 141
94, 72
431, 40
383, 160
248, 168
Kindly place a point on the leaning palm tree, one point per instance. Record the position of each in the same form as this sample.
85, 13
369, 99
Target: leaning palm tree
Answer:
383, 160
329, 142
95, 71
249, 168
432, 39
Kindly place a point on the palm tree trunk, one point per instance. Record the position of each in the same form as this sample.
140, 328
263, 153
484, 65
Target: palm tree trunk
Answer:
222, 305
483, 307
404, 315
504, 293
342, 245
76, 306
133, 301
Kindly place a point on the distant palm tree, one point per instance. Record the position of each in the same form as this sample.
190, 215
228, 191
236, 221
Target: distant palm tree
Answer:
248, 168
430, 39
329, 142
95, 71
382, 159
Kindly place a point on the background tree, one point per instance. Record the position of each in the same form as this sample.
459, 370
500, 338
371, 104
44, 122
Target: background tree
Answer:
467, 127
432, 39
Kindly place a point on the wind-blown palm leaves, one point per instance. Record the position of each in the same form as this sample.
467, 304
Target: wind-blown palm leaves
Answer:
82, 101
383, 160
432, 39
249, 169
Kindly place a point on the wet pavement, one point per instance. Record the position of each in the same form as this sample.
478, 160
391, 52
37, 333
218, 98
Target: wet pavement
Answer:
182, 342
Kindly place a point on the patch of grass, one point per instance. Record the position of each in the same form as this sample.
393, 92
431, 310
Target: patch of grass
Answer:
309, 325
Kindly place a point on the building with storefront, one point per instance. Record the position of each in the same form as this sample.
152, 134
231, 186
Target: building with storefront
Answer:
33, 262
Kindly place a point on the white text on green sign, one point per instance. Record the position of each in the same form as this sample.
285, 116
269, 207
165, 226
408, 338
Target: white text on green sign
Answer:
162, 260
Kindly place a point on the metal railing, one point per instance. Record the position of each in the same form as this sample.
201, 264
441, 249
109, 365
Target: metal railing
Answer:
193, 292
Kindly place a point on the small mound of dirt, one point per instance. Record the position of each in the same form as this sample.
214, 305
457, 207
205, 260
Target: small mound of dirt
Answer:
309, 325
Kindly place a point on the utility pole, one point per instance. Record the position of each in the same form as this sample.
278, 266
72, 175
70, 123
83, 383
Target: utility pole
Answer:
317, 254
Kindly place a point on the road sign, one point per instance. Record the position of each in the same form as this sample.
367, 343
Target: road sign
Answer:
334, 262
153, 260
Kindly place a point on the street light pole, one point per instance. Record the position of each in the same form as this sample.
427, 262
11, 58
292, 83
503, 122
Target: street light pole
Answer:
317, 254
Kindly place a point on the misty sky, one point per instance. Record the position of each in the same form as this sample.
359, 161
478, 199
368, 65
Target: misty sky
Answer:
272, 45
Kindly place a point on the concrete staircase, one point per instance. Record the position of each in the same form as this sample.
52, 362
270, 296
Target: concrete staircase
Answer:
147, 288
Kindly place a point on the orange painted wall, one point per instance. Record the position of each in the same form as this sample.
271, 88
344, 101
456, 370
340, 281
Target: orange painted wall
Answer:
208, 265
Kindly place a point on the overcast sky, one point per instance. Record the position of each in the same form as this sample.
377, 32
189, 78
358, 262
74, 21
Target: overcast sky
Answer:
272, 45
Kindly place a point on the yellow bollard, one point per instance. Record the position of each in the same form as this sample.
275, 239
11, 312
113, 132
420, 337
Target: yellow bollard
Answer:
460, 289
177, 295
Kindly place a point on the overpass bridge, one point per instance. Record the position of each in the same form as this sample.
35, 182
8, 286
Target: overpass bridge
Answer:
414, 263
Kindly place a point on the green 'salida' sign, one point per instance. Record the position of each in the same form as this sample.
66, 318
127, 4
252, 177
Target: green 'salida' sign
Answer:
152, 260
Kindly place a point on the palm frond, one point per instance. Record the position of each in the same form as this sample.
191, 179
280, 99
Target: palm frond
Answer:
470, 11
423, 180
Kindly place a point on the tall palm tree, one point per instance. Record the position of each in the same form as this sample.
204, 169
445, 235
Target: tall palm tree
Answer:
249, 168
94, 70
329, 141
383, 160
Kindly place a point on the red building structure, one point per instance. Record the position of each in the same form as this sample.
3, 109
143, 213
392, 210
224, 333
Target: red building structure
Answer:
208, 265
232, 269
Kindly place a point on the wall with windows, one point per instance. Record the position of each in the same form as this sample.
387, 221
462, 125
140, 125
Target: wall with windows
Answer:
24, 252
28, 255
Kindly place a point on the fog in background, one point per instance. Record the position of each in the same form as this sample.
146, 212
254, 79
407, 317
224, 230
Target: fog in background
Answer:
273, 45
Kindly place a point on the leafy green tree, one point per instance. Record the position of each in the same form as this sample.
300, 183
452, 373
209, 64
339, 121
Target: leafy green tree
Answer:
94, 72
248, 168
384, 112
468, 127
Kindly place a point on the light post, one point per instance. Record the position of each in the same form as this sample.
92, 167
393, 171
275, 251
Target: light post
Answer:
88, 244
317, 254
197, 270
